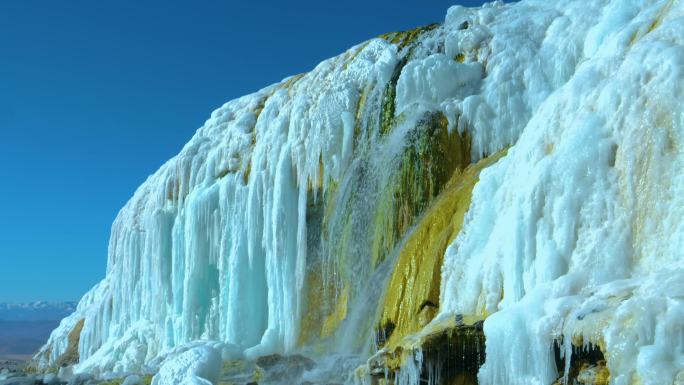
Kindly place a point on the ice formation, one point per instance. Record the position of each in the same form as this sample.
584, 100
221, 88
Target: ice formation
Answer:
197, 366
293, 212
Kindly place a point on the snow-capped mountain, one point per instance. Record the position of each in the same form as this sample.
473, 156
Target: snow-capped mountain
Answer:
25, 327
496, 199
36, 311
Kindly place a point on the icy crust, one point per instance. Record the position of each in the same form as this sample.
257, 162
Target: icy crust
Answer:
200, 365
213, 246
525, 51
577, 233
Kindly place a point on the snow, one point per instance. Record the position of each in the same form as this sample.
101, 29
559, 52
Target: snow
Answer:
434, 79
197, 366
50, 379
576, 232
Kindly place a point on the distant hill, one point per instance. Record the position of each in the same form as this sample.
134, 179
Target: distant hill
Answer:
24, 328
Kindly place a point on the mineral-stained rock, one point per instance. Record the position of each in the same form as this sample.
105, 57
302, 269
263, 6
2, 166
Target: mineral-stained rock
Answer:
587, 366
594, 374
274, 360
452, 352
71, 356
277, 367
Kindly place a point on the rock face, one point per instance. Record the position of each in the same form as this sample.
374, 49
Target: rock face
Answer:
481, 200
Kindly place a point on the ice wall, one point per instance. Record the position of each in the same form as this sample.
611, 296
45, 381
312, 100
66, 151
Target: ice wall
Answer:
577, 233
277, 226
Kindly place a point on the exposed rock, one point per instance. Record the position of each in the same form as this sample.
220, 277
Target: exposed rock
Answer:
281, 368
71, 355
270, 361
594, 374
451, 351
587, 366
412, 299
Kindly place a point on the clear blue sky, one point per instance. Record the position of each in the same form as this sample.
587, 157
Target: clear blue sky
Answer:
96, 95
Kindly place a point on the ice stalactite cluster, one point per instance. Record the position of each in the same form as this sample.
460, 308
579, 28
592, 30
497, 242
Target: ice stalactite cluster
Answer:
538, 143
577, 233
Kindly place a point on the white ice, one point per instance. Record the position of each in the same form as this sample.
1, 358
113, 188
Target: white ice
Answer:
587, 198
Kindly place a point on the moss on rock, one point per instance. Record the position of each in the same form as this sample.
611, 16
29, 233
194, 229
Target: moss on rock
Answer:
430, 157
412, 298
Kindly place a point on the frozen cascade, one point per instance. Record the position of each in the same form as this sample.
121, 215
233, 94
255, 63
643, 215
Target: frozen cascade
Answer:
280, 225
578, 231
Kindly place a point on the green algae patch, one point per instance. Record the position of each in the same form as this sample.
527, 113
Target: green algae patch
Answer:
430, 157
412, 298
388, 104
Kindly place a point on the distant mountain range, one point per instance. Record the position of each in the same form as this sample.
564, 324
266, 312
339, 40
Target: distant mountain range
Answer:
36, 311
25, 327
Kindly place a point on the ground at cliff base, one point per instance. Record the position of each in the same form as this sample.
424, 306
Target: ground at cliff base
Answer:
11, 365
13, 373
